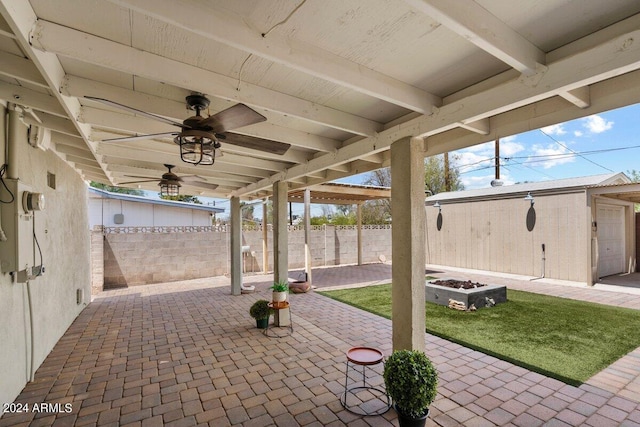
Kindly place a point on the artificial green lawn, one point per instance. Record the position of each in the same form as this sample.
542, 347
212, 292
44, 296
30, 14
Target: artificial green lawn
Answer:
561, 338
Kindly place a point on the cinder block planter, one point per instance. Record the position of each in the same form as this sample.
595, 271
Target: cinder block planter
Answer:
477, 296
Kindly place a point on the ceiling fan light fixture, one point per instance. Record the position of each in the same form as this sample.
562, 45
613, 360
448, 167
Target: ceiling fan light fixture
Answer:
169, 188
197, 147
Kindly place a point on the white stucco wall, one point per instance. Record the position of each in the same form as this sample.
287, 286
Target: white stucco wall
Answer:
136, 214
62, 230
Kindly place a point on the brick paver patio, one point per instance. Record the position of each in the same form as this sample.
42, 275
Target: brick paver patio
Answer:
188, 354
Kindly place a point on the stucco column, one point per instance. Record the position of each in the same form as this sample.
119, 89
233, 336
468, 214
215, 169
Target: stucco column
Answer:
307, 234
265, 239
280, 232
359, 227
408, 244
236, 246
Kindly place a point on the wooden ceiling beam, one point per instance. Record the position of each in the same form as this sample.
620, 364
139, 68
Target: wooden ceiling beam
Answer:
224, 27
54, 38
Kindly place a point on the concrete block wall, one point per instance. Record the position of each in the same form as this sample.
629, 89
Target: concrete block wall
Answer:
141, 258
97, 260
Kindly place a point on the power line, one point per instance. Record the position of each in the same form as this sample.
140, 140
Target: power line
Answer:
542, 157
567, 148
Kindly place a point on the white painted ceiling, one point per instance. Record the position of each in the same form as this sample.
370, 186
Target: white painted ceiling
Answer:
338, 80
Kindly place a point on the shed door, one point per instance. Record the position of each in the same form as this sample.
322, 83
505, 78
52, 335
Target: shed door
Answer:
610, 239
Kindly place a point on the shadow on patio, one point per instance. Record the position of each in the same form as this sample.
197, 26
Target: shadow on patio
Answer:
189, 354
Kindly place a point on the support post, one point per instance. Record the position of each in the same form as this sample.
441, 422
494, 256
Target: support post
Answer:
408, 244
280, 232
359, 224
307, 234
265, 239
236, 247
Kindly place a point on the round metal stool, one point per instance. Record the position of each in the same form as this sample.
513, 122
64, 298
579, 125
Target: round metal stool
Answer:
365, 357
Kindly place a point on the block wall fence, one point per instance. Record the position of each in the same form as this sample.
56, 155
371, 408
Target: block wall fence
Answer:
144, 255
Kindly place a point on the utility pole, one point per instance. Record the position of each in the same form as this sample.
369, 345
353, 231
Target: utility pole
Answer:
447, 179
290, 214
497, 158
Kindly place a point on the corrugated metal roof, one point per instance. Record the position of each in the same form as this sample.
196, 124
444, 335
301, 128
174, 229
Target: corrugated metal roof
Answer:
541, 186
140, 199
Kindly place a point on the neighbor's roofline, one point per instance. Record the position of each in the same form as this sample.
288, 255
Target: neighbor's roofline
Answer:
559, 186
141, 199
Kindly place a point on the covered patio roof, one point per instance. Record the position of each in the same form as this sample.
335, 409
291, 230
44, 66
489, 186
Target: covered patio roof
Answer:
341, 194
338, 81
629, 192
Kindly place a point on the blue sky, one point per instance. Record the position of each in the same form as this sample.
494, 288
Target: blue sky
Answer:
548, 153
544, 154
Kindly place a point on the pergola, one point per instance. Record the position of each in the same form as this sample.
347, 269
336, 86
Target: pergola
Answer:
351, 86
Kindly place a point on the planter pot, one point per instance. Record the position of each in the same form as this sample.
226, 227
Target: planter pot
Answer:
405, 421
262, 323
279, 296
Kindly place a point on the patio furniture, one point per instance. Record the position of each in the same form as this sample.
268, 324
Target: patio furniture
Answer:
365, 357
281, 318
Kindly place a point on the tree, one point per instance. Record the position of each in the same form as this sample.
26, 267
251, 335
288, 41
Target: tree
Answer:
377, 211
246, 211
434, 174
186, 198
379, 177
112, 189
633, 175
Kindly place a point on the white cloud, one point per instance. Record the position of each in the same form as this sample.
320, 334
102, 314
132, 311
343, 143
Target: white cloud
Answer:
596, 124
480, 147
509, 148
481, 156
466, 161
577, 133
554, 129
550, 150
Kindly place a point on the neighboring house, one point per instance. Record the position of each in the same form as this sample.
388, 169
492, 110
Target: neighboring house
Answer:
577, 229
124, 210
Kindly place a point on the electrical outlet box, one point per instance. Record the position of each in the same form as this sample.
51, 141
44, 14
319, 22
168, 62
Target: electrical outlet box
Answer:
17, 252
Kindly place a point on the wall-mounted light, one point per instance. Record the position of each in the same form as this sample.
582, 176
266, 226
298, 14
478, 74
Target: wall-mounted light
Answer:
437, 205
529, 198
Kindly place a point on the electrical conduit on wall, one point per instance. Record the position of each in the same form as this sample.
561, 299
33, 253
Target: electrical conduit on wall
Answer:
14, 125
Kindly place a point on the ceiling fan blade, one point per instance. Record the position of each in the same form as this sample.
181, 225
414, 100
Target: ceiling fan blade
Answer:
204, 185
140, 137
232, 118
138, 176
254, 143
134, 110
191, 178
137, 182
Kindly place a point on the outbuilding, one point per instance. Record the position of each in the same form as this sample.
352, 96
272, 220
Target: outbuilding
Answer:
577, 229
110, 209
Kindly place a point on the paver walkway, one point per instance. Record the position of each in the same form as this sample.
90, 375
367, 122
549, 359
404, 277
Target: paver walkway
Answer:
188, 354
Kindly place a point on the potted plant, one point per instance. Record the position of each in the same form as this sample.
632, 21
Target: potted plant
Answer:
260, 311
411, 381
280, 290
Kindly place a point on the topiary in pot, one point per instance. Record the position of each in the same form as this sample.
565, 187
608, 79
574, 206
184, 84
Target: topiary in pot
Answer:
260, 311
411, 381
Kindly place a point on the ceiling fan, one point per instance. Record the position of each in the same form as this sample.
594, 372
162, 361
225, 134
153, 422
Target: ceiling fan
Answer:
200, 137
170, 182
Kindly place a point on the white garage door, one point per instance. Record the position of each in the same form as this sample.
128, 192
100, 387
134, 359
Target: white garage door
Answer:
610, 240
